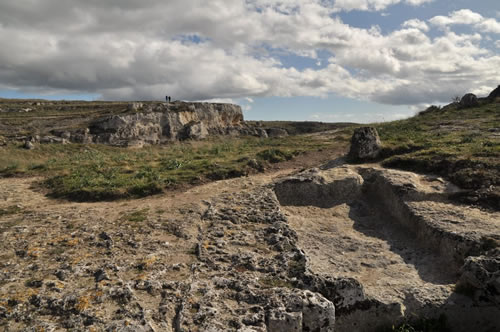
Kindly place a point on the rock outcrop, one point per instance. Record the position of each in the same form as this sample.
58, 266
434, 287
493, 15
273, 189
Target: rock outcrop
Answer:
481, 275
339, 212
28, 145
468, 100
276, 132
319, 188
494, 95
365, 144
300, 311
158, 123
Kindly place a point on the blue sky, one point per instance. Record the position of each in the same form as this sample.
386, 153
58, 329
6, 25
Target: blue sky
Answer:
316, 60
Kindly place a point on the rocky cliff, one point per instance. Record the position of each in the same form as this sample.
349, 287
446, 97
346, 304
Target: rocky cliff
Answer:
162, 122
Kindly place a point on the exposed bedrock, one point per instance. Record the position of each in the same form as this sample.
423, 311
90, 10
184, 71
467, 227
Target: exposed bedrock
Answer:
421, 204
398, 244
320, 188
157, 123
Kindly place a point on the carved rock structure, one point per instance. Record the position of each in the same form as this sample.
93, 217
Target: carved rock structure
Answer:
361, 227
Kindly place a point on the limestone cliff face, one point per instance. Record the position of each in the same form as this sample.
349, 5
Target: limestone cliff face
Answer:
157, 123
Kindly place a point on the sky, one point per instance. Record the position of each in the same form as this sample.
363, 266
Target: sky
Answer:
313, 60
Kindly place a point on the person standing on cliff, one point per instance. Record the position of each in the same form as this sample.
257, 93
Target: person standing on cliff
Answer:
169, 98
166, 97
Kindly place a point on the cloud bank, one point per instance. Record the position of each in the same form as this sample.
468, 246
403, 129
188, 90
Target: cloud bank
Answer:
197, 50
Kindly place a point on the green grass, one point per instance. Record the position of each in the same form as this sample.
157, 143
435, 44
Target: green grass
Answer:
10, 210
99, 172
300, 127
136, 216
458, 144
276, 155
461, 145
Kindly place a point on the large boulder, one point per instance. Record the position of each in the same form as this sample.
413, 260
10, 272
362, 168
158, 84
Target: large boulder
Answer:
322, 188
494, 95
299, 310
276, 132
482, 274
28, 145
134, 107
469, 100
82, 136
365, 144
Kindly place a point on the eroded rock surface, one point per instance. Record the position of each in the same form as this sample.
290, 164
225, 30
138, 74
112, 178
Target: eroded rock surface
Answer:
227, 256
400, 237
227, 262
168, 121
481, 275
320, 188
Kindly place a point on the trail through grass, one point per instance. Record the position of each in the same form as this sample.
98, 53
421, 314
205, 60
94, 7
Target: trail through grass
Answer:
99, 172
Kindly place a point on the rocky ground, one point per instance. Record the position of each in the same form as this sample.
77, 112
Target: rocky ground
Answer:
341, 248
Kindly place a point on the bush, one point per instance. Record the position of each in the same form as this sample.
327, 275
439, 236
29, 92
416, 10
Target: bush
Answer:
275, 155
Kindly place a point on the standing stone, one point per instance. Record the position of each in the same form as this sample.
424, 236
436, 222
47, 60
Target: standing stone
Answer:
28, 145
468, 100
365, 144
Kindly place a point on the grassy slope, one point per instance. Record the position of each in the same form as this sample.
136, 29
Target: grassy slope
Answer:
301, 127
49, 115
463, 145
97, 172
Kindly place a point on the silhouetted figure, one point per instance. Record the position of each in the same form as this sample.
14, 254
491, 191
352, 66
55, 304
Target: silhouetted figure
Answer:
169, 99
166, 97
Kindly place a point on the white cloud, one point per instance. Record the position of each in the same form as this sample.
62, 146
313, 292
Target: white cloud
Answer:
417, 2
467, 17
417, 24
368, 117
230, 50
490, 25
497, 43
372, 5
